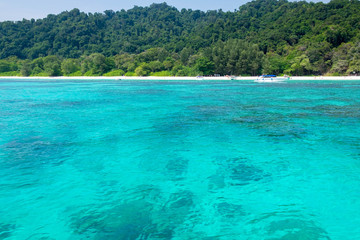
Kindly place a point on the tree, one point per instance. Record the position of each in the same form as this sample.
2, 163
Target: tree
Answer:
299, 66
26, 68
69, 66
354, 59
185, 55
337, 35
155, 66
142, 70
274, 64
98, 63
85, 65
4, 66
168, 63
52, 66
236, 57
205, 66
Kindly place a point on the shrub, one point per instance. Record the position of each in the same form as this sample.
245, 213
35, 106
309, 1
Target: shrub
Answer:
114, 73
130, 74
161, 74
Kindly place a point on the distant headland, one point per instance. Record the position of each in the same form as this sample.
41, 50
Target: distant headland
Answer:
261, 37
186, 78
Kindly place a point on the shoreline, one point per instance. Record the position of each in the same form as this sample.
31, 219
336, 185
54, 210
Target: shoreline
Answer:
296, 78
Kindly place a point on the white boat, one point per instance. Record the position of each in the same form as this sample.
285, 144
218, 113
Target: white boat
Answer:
271, 78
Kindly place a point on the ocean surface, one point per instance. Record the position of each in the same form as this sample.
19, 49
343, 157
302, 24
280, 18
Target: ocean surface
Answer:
179, 160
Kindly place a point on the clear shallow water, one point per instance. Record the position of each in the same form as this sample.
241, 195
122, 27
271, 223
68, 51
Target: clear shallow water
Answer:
179, 160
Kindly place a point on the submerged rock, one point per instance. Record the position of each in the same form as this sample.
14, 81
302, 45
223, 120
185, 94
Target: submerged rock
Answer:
176, 168
229, 210
296, 229
6, 230
240, 171
149, 216
33, 151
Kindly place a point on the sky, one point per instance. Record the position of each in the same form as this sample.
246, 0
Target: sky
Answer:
15, 10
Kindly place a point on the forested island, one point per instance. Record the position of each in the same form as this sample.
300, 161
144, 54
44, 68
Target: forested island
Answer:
262, 36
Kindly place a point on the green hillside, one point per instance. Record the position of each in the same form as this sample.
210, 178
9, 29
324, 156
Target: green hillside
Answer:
262, 36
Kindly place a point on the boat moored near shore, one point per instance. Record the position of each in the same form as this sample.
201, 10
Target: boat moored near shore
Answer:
271, 78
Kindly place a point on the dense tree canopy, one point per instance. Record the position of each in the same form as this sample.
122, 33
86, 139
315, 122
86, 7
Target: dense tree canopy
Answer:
262, 36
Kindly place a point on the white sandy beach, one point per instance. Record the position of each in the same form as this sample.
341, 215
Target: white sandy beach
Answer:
297, 78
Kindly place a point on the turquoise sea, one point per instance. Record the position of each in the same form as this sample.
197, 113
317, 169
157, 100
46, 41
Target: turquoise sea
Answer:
179, 160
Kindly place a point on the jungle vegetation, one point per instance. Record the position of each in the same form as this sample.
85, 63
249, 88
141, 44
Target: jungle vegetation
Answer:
262, 36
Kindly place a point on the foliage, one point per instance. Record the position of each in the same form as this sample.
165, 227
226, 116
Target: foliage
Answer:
9, 74
262, 36
75, 74
130, 74
118, 72
142, 70
26, 69
70, 66
161, 74
236, 57
52, 66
